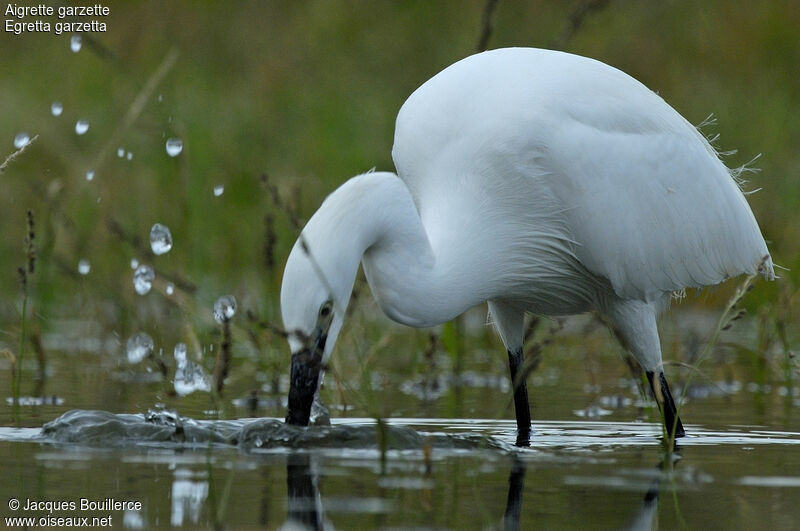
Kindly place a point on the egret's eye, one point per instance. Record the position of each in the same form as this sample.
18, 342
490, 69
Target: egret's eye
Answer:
326, 309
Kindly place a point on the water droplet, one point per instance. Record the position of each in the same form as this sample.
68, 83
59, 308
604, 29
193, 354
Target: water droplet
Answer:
180, 353
174, 147
129, 155
160, 239
56, 108
84, 266
75, 43
120, 152
170, 288
89, 175
81, 126
224, 308
134, 263
190, 377
139, 347
21, 140
219, 190
143, 279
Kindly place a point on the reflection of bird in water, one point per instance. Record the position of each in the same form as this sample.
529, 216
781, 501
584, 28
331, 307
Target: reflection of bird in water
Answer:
537, 181
305, 504
305, 501
645, 518
516, 482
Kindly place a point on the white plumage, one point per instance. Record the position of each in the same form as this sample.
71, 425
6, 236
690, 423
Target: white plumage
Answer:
538, 181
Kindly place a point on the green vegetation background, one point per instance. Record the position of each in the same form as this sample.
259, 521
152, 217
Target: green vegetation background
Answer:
307, 93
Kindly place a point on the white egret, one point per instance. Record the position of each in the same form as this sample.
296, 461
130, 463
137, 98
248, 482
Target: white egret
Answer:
537, 181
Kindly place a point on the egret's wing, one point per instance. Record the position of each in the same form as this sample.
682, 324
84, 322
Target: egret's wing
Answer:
652, 211
646, 200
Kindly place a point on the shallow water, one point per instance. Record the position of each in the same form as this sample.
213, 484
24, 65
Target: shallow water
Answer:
433, 473
442, 457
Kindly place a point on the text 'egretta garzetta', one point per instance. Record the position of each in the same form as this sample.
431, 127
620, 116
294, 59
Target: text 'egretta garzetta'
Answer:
537, 181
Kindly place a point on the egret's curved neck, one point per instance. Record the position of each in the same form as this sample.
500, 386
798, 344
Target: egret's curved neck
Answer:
373, 219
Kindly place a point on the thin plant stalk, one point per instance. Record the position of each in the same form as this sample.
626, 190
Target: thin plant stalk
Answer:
724, 323
28, 268
21, 352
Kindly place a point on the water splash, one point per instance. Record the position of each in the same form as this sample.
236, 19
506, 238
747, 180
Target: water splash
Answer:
143, 279
179, 352
139, 347
84, 266
189, 377
21, 140
56, 108
225, 308
81, 126
219, 190
174, 147
160, 239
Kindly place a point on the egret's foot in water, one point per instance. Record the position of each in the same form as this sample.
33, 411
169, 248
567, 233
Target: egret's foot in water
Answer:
521, 406
523, 437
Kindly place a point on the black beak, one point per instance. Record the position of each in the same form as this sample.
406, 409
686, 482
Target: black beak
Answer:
304, 379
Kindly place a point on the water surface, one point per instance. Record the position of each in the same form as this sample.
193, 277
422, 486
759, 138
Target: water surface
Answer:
431, 473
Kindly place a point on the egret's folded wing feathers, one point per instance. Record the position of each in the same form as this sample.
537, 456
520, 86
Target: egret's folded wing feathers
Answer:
653, 212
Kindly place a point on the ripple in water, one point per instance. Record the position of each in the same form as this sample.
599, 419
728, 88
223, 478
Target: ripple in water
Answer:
143, 279
166, 427
160, 239
139, 347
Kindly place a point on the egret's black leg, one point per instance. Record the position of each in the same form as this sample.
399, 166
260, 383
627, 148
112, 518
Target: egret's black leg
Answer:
666, 404
521, 406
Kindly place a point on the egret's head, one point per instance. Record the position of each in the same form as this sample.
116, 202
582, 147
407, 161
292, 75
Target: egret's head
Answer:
318, 282
312, 317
